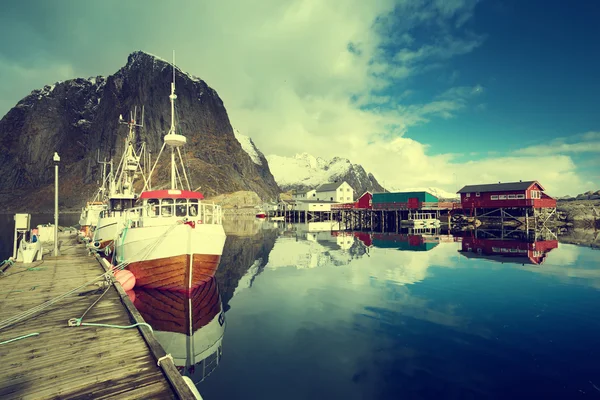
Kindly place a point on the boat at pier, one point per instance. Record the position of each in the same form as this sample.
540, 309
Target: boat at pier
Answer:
172, 239
121, 192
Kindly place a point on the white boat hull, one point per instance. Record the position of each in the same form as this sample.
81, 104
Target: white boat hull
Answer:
177, 256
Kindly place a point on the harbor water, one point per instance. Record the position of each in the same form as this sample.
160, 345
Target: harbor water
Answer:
302, 314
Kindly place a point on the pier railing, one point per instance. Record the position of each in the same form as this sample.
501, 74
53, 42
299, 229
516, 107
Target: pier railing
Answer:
417, 206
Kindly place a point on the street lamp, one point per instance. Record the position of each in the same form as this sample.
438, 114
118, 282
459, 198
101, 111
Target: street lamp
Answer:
56, 160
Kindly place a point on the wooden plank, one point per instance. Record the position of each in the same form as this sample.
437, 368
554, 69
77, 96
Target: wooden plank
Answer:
169, 369
63, 361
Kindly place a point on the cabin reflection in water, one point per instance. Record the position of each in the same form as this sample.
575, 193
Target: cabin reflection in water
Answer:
190, 327
405, 240
514, 247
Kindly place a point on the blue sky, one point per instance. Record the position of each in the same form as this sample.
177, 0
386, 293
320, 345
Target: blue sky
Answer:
435, 93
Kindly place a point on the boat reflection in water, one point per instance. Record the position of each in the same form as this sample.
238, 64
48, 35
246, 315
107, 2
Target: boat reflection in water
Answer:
189, 327
512, 247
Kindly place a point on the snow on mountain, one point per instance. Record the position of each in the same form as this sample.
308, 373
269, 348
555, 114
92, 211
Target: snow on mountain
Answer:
248, 146
304, 171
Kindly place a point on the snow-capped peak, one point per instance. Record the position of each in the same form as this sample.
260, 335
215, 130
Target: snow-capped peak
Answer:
306, 170
248, 146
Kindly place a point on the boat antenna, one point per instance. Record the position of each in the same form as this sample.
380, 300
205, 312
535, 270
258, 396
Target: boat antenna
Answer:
173, 139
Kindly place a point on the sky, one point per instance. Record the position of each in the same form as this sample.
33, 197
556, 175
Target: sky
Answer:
422, 93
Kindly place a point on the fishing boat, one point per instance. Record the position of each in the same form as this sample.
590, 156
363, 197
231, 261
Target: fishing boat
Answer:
189, 327
172, 239
90, 213
121, 192
261, 214
88, 219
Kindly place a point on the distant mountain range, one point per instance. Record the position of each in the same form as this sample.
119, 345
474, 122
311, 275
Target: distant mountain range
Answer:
305, 171
589, 195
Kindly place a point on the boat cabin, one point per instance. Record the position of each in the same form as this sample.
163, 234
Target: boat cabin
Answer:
121, 204
178, 204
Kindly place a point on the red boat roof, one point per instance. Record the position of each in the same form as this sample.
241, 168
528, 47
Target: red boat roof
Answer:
171, 194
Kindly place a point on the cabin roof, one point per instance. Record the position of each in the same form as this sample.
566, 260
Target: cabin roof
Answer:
329, 187
171, 194
499, 187
317, 201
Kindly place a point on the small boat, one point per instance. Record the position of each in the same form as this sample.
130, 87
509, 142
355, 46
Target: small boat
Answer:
30, 247
277, 219
261, 214
172, 239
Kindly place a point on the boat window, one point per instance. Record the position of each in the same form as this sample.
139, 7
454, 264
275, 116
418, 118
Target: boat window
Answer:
153, 210
180, 207
166, 207
193, 207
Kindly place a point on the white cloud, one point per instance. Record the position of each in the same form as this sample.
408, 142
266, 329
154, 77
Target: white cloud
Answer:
309, 75
560, 147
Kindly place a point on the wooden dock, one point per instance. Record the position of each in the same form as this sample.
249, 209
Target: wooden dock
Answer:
83, 361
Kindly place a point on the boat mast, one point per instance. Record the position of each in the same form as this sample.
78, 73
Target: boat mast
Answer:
173, 139
173, 96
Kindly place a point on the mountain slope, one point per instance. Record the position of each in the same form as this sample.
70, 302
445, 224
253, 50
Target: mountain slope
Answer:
305, 172
79, 117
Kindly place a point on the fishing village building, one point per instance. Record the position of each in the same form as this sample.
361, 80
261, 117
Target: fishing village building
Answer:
512, 200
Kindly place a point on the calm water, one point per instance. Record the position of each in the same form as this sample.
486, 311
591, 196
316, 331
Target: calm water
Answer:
315, 315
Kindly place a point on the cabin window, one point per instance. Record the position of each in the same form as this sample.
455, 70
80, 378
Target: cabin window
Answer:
153, 210
193, 207
512, 196
477, 194
502, 197
166, 207
347, 189
347, 198
520, 196
468, 194
494, 197
180, 207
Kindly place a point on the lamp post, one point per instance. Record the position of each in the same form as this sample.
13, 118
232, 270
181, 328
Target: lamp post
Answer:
56, 160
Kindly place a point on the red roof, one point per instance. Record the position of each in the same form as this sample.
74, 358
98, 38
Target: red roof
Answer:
171, 194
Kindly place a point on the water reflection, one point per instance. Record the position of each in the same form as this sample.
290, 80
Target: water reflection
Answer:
518, 248
335, 314
189, 327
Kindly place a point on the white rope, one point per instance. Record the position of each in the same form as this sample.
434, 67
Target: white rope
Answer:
32, 311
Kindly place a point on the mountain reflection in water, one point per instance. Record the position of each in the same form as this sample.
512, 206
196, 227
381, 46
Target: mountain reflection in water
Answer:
315, 313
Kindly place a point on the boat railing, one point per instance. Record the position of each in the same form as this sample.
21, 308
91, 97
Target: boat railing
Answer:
200, 213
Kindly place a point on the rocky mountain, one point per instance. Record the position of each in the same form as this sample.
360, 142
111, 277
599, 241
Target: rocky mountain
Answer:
79, 117
305, 171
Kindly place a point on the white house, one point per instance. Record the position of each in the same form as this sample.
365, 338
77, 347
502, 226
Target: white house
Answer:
339, 192
313, 205
308, 194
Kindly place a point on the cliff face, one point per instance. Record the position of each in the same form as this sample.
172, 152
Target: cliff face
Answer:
78, 118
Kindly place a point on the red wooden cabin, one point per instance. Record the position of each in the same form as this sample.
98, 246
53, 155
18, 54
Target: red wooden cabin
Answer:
506, 195
365, 201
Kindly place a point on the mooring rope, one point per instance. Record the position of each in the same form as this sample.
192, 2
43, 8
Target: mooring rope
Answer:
19, 338
34, 310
